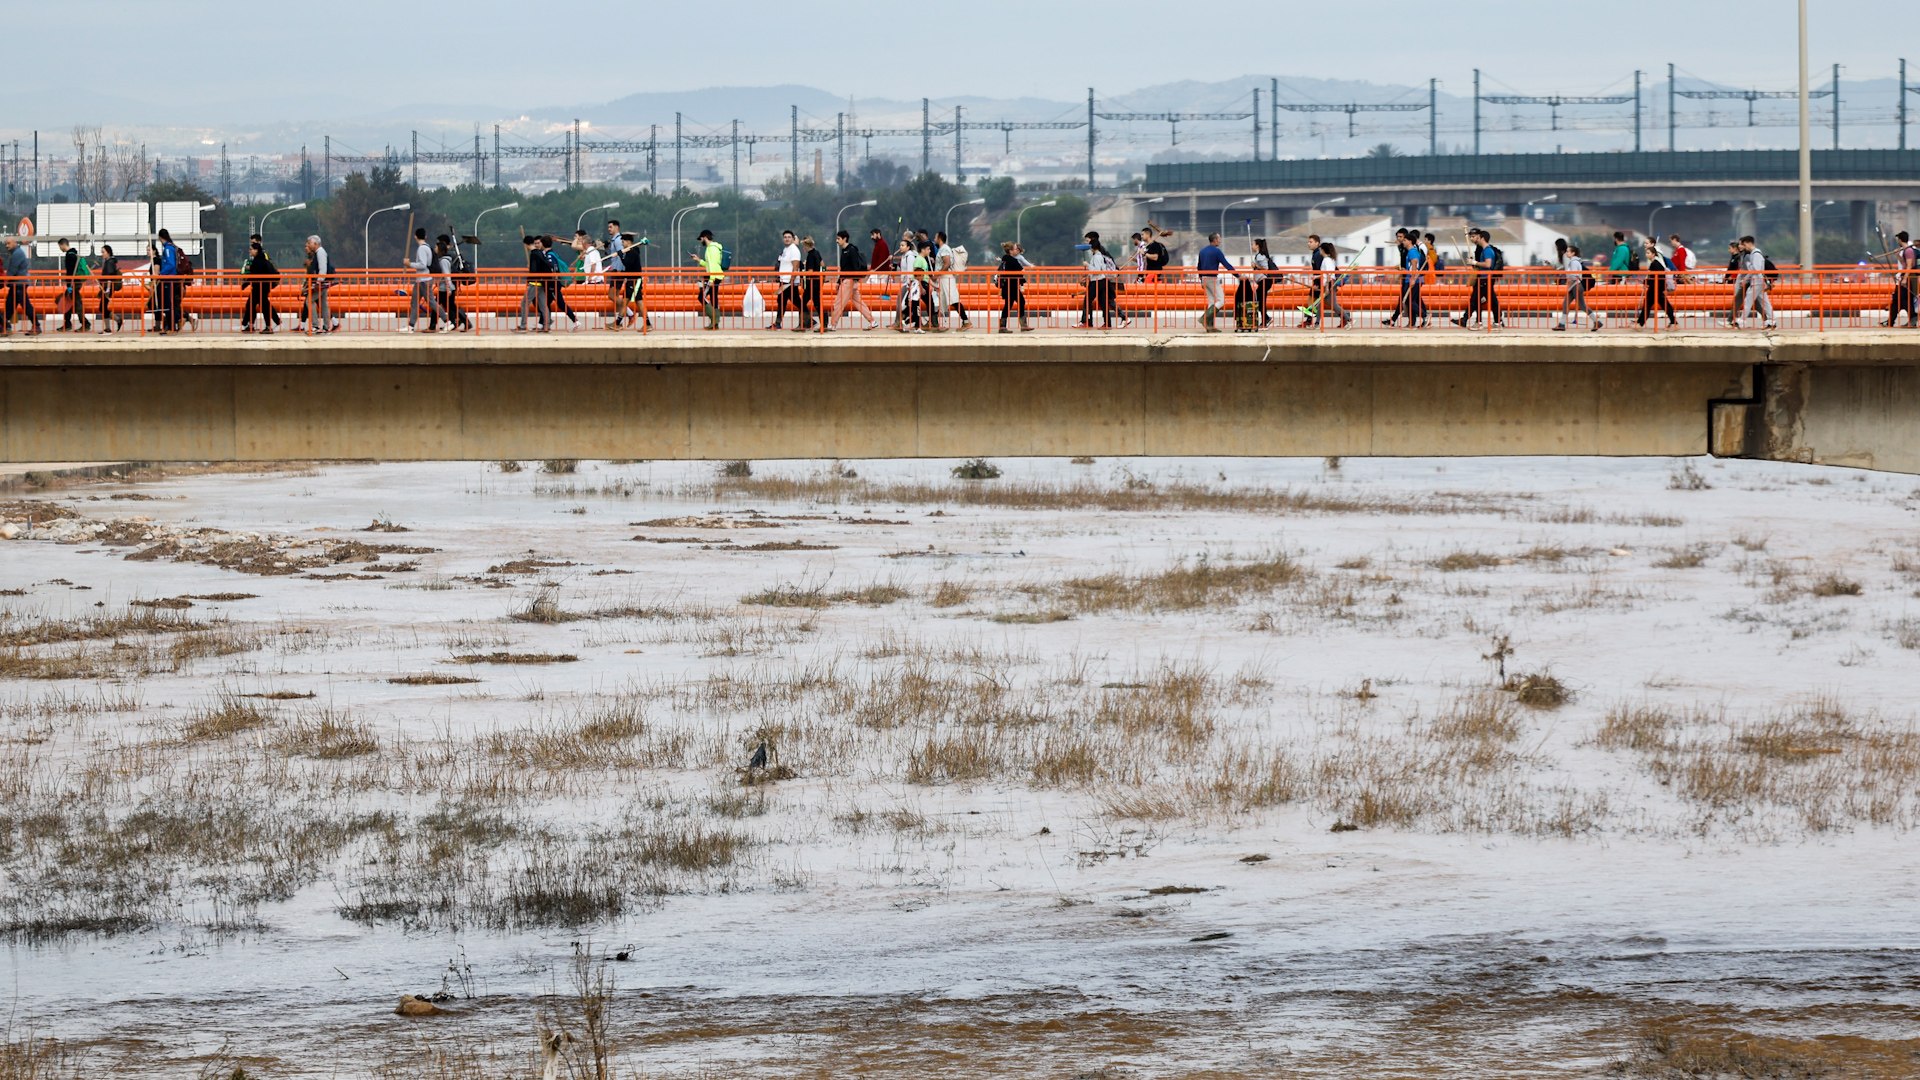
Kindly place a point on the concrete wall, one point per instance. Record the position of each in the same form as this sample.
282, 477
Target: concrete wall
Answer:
1842, 401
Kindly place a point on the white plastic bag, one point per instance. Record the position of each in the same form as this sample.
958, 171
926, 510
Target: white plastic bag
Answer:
753, 305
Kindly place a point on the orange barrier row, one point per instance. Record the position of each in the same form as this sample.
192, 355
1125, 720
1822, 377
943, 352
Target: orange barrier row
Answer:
1843, 295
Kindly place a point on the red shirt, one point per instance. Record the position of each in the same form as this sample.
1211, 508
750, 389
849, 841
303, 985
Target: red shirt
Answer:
881, 253
1682, 259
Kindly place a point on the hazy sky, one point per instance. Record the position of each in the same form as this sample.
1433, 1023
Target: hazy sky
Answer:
274, 62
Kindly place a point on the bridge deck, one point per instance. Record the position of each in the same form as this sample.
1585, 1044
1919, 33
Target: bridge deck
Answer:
1844, 397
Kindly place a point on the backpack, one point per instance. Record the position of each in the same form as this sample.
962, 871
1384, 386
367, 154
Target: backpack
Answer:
860, 261
1773, 274
630, 258
1633, 259
1496, 259
183, 266
457, 266
959, 259
726, 259
81, 269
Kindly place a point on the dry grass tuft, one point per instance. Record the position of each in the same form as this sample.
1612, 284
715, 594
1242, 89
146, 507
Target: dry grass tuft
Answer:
1540, 690
790, 596
228, 716
1199, 584
327, 735
1674, 1052
514, 658
17, 631
1481, 716
432, 678
1465, 560
1691, 557
951, 594
1833, 584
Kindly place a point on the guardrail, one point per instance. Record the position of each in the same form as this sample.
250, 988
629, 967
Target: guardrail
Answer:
1046, 298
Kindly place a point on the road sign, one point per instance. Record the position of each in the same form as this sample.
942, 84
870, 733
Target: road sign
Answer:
26, 226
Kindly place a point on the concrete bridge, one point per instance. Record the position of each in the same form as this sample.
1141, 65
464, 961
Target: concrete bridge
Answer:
1848, 397
1725, 185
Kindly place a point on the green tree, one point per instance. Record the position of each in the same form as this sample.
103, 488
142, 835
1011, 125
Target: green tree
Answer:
998, 191
1384, 150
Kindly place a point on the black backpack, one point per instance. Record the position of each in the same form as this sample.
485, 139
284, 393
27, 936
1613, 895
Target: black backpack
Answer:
1496, 259
457, 266
1773, 274
859, 260
1633, 259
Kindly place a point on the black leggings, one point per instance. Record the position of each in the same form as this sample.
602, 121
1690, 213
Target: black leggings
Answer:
1010, 298
1656, 297
260, 302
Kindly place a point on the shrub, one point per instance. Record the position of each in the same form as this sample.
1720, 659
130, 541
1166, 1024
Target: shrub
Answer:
976, 469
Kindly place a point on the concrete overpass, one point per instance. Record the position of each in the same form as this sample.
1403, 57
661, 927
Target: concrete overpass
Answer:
1840, 397
1595, 185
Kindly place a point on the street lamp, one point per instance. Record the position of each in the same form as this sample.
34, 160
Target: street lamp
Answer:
366, 234
1231, 205
1656, 212
269, 214
581, 220
1324, 202
850, 206
1023, 213
476, 228
946, 223
681, 213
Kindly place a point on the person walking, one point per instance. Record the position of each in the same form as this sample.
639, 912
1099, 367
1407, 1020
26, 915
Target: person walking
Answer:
881, 258
632, 293
172, 283
19, 276
1267, 275
950, 261
261, 276
1573, 270
535, 297
712, 262
1011, 281
73, 267
1656, 296
1323, 290
107, 282
446, 287
1400, 244
1101, 292
1434, 264
1622, 259
1213, 263
557, 281
846, 286
1679, 258
1906, 270
421, 295
616, 270
1487, 261
785, 266
319, 271
1753, 267
811, 268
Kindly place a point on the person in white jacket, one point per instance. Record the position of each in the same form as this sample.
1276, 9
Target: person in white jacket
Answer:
1753, 264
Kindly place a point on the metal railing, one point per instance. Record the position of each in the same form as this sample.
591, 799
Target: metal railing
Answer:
1046, 298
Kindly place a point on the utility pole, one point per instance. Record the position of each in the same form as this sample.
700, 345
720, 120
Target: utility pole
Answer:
1636, 110
926, 136
1836, 106
1273, 121
226, 174
1433, 117
840, 151
36, 166
1476, 112
653, 159
579, 173
496, 155
1089, 138
1903, 103
736, 157
676, 156
326, 174
416, 161
796, 149
1256, 123
1806, 152
1670, 100
959, 169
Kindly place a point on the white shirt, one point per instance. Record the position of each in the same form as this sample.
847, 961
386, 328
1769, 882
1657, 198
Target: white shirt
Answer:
943, 258
422, 261
789, 262
591, 266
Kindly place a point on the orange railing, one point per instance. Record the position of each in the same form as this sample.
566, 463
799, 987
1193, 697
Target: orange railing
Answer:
493, 301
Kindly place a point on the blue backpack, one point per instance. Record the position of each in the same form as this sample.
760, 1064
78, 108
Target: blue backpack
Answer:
726, 258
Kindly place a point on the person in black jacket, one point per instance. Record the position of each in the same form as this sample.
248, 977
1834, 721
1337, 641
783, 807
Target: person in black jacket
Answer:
261, 278
811, 265
70, 302
1656, 295
108, 280
1012, 284
538, 271
853, 267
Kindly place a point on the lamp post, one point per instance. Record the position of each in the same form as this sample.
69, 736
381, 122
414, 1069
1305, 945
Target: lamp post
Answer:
476, 228
681, 213
1806, 149
1656, 212
581, 220
1231, 205
366, 234
264, 218
1023, 213
850, 206
1321, 203
219, 242
946, 223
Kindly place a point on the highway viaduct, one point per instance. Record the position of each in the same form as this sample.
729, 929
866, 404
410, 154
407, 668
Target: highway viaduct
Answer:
1841, 397
1722, 186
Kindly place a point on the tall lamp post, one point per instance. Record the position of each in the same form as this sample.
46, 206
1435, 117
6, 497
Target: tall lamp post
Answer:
264, 218
581, 220
850, 206
946, 223
366, 234
476, 228
675, 225
1650, 217
1231, 205
1023, 213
